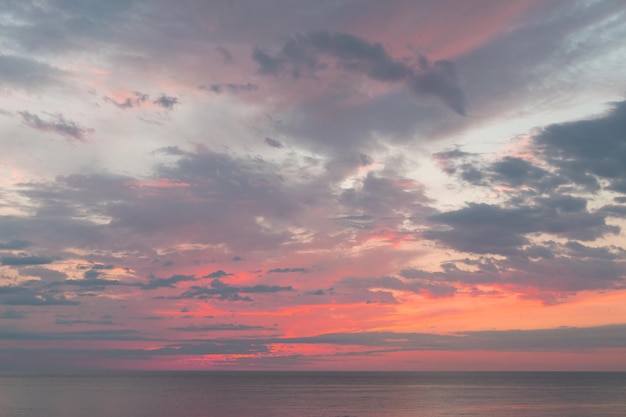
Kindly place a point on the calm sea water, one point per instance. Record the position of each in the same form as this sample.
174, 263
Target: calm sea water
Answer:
313, 394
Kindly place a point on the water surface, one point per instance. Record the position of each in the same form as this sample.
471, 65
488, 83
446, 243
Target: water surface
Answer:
313, 394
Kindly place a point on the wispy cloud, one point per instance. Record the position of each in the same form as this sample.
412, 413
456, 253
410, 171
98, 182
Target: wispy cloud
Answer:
57, 124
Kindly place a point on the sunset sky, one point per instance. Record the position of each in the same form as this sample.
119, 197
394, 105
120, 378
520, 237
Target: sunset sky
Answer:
329, 184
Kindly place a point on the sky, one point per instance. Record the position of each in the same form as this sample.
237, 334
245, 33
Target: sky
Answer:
313, 185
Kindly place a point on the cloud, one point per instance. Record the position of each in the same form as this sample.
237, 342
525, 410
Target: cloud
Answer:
274, 143
384, 199
101, 322
516, 171
91, 274
26, 260
91, 283
226, 292
15, 244
300, 56
484, 228
428, 289
102, 266
543, 340
170, 282
218, 198
26, 73
568, 148
113, 334
10, 314
577, 156
312, 155
548, 272
288, 270
556, 339
446, 159
222, 347
63, 26
57, 124
229, 88
218, 327
28, 298
167, 102
45, 274
217, 274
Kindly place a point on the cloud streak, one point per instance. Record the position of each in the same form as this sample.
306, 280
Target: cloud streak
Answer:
57, 124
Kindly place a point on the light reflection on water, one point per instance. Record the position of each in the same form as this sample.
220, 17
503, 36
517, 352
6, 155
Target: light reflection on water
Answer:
313, 394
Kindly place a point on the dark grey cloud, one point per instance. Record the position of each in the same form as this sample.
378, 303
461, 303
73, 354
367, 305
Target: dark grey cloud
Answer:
547, 272
562, 339
231, 88
91, 283
402, 341
578, 156
12, 289
217, 274
225, 292
30, 298
516, 171
300, 56
72, 322
218, 347
445, 159
274, 143
154, 283
26, 73
113, 334
484, 228
10, 314
554, 339
46, 275
102, 266
26, 260
548, 196
221, 347
91, 274
614, 210
471, 174
15, 244
288, 270
57, 124
218, 327
587, 151
167, 102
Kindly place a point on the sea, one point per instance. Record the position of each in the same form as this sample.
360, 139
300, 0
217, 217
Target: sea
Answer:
313, 394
